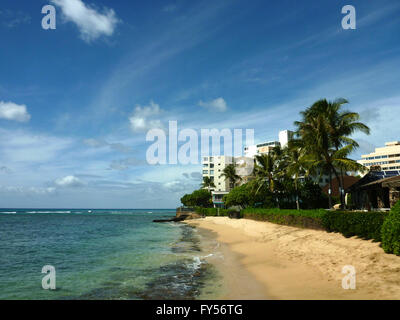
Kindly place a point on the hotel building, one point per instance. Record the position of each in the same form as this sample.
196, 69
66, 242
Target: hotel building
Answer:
385, 159
213, 167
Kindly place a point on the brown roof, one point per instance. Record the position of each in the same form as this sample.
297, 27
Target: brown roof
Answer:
386, 182
348, 181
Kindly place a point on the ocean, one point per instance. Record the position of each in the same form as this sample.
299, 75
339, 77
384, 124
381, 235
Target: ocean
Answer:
103, 254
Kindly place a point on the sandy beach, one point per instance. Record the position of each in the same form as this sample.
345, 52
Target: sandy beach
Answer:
262, 260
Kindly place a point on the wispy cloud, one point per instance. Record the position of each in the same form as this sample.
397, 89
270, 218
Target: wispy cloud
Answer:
13, 111
142, 118
69, 182
91, 23
124, 164
170, 8
5, 169
11, 19
100, 143
218, 104
28, 190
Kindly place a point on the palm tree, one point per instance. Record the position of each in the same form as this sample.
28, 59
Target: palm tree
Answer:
266, 170
295, 164
208, 183
325, 131
230, 173
342, 124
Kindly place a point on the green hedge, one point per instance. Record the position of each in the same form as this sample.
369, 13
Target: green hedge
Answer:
300, 218
366, 225
391, 231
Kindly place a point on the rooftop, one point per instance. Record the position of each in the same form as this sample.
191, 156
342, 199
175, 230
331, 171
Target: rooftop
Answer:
393, 143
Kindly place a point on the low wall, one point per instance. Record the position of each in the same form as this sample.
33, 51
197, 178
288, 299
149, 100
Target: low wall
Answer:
189, 214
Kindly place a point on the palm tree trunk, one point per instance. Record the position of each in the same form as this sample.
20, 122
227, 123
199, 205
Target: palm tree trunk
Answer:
297, 193
341, 182
330, 189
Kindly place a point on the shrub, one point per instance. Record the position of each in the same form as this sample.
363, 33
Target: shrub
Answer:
201, 198
366, 225
246, 195
300, 218
391, 231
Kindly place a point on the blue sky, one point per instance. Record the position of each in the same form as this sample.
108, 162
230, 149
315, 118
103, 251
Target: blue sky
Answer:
76, 102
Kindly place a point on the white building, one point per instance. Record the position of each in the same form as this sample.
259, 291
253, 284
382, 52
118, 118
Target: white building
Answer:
284, 137
266, 147
213, 167
386, 158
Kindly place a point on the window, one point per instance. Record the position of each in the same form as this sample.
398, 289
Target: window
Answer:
205, 171
211, 159
205, 165
205, 159
211, 165
211, 171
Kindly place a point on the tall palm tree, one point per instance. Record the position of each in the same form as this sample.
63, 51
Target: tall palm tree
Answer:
342, 124
325, 131
208, 183
230, 174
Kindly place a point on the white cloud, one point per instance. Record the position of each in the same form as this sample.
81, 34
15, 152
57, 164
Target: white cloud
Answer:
69, 181
27, 147
13, 111
124, 164
90, 22
140, 118
218, 104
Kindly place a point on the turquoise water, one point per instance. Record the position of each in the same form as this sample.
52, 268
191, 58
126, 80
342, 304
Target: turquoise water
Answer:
100, 254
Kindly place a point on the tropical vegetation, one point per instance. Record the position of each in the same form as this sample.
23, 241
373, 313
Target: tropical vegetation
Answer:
391, 231
287, 178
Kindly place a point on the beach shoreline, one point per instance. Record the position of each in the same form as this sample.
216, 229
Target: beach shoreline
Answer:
262, 260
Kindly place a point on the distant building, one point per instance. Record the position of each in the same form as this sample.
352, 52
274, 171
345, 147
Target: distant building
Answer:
261, 148
284, 137
385, 160
266, 147
217, 198
213, 167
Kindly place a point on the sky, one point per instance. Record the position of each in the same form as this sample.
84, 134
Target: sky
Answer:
76, 102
